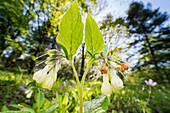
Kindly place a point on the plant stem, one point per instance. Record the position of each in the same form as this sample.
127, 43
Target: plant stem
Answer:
143, 109
90, 62
38, 110
75, 73
82, 83
149, 94
81, 98
80, 87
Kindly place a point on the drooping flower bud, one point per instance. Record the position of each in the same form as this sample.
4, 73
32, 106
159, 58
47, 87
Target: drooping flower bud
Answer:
121, 67
52, 52
29, 94
124, 66
104, 68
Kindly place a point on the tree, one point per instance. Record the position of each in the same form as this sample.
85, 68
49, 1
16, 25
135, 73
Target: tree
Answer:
29, 28
151, 37
14, 25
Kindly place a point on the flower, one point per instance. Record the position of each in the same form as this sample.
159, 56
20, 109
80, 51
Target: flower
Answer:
106, 87
104, 68
29, 93
121, 67
70, 86
124, 67
61, 87
48, 75
22, 87
40, 75
150, 82
116, 82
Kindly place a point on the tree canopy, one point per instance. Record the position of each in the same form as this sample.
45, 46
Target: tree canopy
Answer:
151, 37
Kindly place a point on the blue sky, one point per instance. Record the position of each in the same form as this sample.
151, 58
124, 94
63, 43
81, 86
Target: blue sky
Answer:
118, 8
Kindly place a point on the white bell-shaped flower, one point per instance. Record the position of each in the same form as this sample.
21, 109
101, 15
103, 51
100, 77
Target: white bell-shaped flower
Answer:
40, 75
48, 83
48, 75
106, 88
50, 79
57, 67
116, 82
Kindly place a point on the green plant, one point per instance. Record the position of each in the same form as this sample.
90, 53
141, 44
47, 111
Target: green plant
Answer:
70, 38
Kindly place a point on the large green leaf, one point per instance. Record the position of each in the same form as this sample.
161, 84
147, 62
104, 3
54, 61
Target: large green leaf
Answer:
93, 37
71, 31
97, 105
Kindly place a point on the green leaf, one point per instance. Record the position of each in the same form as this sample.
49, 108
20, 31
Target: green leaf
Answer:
15, 106
93, 37
46, 103
40, 99
49, 109
113, 111
71, 31
16, 112
64, 49
30, 110
65, 100
97, 105
4, 108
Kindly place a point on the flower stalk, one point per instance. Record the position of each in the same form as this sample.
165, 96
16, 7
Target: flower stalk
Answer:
149, 94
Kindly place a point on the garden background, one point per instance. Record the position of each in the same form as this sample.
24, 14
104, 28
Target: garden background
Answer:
140, 37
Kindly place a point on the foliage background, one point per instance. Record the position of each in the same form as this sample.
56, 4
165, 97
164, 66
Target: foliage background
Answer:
28, 28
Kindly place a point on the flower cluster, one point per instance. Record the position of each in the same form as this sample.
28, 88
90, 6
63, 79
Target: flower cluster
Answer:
116, 82
48, 75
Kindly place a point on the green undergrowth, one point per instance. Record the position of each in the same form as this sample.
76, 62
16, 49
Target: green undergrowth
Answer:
133, 97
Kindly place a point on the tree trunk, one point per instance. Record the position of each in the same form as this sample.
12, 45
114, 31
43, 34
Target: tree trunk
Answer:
151, 52
154, 59
82, 62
